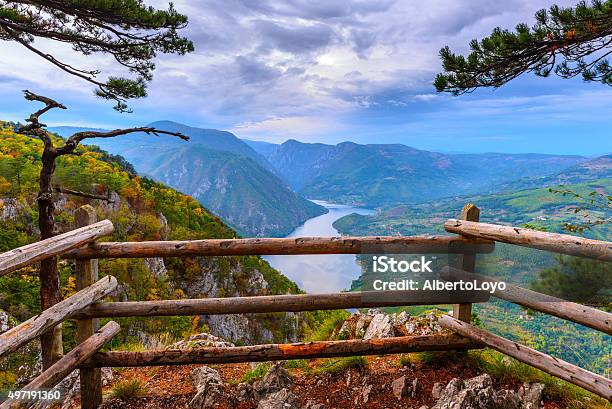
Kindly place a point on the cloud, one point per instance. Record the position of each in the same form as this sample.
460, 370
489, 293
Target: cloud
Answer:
277, 129
279, 65
293, 39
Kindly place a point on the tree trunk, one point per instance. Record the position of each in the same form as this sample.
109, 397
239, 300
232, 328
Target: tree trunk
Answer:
50, 292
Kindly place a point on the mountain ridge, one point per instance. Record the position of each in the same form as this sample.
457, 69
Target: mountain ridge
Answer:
375, 175
232, 195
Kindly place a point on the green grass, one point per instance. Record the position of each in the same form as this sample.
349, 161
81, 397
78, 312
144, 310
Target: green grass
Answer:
257, 373
326, 328
432, 358
296, 363
332, 366
127, 390
505, 368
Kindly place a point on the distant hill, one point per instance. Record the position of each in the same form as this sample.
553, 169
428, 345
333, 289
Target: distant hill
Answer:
536, 206
381, 175
219, 170
596, 168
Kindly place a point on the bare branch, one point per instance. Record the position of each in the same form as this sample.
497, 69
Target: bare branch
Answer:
75, 139
63, 190
35, 127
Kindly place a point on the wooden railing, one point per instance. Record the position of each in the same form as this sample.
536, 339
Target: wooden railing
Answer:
474, 238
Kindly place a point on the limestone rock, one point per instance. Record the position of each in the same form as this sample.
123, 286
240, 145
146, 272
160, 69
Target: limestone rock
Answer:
401, 387
436, 391
479, 382
244, 392
506, 399
380, 327
208, 384
200, 341
283, 399
531, 395
365, 393
416, 385
274, 381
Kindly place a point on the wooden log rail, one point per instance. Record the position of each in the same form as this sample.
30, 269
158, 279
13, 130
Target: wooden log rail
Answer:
278, 352
45, 249
285, 246
276, 303
588, 380
71, 361
17, 336
580, 314
555, 242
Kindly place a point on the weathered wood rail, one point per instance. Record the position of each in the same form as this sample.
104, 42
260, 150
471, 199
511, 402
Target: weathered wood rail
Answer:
578, 313
554, 242
23, 333
281, 352
474, 238
556, 367
55, 246
68, 363
285, 246
271, 303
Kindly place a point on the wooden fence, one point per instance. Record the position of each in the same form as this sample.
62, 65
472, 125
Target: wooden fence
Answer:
474, 238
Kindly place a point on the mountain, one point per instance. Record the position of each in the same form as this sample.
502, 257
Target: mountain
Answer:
219, 170
211, 138
595, 168
538, 207
261, 147
141, 209
386, 174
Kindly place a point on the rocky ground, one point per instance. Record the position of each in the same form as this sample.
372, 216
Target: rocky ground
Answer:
441, 381
384, 383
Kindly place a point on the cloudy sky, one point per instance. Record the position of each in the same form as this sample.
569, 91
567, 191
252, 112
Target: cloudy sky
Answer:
330, 71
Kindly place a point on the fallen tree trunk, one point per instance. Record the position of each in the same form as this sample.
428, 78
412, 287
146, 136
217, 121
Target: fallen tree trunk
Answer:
17, 336
276, 352
276, 303
580, 314
553, 366
48, 248
555, 242
71, 361
285, 246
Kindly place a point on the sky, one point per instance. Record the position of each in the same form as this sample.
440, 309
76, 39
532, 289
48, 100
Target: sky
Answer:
331, 71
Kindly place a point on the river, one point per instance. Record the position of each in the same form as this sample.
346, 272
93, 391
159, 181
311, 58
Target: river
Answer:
321, 273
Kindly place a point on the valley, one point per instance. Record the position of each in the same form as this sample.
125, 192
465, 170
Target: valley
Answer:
220, 171
260, 191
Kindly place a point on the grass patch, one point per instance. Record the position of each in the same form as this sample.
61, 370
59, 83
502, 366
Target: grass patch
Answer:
257, 373
296, 363
127, 390
326, 328
505, 368
432, 358
331, 366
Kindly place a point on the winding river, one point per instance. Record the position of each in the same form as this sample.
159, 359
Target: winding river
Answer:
321, 273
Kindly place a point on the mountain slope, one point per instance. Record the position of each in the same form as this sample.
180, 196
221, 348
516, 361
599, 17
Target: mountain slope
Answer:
249, 197
141, 209
379, 175
219, 170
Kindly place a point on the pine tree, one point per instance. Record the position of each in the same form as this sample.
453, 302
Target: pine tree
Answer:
567, 41
130, 31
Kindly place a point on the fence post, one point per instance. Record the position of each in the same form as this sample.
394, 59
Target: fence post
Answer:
466, 262
87, 274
